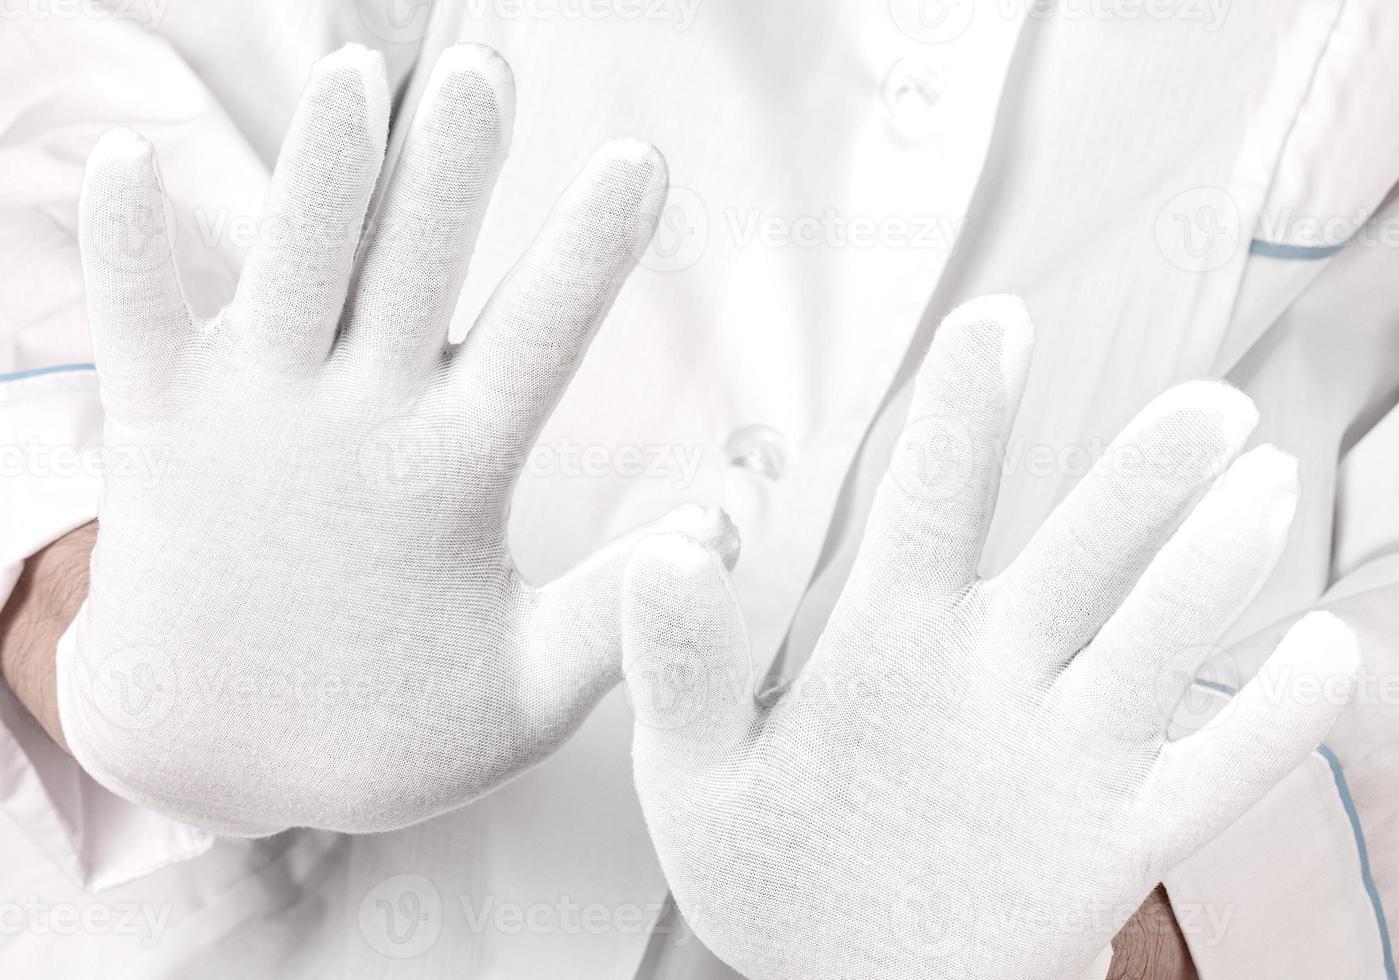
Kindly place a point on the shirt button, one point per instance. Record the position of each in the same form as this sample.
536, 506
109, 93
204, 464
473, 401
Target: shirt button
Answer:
757, 449
911, 96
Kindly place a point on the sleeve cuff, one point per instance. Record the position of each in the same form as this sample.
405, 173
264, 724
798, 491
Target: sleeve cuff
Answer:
50, 458
50, 472
1283, 892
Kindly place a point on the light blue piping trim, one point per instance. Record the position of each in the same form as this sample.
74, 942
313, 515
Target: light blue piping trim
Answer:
1367, 878
39, 372
1215, 686
1346, 801
1306, 253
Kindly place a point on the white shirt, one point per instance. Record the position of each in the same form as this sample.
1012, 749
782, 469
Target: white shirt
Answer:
1166, 185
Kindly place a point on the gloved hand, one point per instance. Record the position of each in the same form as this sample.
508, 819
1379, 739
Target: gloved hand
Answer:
305, 612
971, 777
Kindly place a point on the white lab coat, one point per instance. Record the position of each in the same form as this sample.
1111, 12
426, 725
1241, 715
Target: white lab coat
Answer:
1175, 192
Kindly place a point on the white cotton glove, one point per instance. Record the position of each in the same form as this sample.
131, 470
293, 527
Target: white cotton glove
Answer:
303, 611
971, 777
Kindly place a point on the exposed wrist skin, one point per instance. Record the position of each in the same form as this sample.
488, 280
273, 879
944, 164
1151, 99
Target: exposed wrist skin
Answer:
42, 606
1151, 945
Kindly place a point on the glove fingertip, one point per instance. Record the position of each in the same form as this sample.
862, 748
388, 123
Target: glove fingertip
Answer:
709, 526
1218, 406
636, 179
674, 588
1006, 311
1323, 645
468, 67
122, 145
667, 559
338, 75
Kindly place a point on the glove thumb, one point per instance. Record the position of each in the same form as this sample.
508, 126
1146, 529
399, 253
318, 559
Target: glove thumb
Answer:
686, 659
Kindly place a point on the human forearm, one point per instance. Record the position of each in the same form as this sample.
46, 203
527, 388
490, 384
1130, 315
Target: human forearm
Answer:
1151, 946
42, 606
